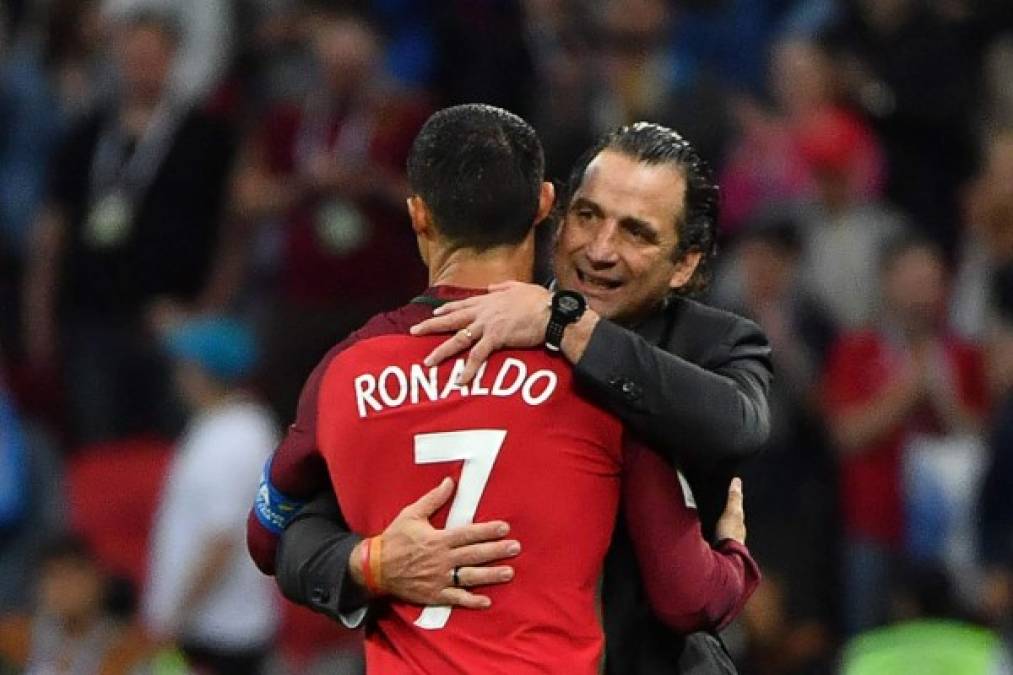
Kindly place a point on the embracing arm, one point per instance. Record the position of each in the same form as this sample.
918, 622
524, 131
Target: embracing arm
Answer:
709, 380
313, 562
318, 560
690, 585
721, 403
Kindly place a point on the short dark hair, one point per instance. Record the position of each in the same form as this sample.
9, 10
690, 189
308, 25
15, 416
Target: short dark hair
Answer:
479, 169
652, 143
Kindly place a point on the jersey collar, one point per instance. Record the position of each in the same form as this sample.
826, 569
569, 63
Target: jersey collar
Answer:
435, 296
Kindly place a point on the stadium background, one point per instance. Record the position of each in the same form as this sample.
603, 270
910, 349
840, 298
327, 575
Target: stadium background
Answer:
834, 126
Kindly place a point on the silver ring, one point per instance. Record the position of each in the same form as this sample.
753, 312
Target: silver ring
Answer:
457, 578
467, 333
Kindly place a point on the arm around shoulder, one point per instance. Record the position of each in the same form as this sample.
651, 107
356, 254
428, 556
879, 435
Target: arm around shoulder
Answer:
708, 381
690, 585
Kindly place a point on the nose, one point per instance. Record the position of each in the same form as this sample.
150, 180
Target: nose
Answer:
601, 250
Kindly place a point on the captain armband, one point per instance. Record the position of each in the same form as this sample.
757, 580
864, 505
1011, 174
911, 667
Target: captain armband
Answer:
274, 510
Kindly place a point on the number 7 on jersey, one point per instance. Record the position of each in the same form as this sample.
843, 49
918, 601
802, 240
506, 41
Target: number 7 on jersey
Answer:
479, 449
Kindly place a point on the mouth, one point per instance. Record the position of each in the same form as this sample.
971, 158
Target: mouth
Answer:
593, 282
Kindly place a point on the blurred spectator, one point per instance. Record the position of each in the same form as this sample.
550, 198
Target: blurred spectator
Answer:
13, 463
929, 635
917, 76
996, 523
988, 240
886, 387
843, 234
639, 78
778, 149
732, 37
205, 41
31, 499
204, 591
561, 50
72, 631
272, 61
44, 82
789, 620
327, 177
131, 222
46, 79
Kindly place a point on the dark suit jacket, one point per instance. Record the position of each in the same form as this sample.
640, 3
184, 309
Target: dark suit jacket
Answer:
692, 381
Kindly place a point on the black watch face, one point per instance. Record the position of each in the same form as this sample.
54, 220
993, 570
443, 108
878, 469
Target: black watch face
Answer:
568, 304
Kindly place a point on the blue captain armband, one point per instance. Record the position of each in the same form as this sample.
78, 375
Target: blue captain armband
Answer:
274, 510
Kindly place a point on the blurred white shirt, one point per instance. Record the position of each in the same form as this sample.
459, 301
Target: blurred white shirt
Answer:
841, 258
211, 486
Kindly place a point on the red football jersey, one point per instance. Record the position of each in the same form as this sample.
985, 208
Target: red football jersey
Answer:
522, 447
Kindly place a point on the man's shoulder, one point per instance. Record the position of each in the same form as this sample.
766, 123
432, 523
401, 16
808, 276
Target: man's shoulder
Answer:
701, 332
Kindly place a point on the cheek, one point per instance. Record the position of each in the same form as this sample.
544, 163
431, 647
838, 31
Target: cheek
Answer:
571, 239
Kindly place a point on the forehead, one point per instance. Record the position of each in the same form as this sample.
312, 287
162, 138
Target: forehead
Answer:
626, 188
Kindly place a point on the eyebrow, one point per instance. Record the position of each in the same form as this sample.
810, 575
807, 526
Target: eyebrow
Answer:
640, 227
637, 226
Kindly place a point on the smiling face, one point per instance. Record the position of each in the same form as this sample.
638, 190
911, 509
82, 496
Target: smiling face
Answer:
618, 239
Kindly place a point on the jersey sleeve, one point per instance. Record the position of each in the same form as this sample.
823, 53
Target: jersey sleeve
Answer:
690, 585
291, 477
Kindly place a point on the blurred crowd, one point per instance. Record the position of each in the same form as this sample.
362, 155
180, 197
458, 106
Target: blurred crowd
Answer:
199, 197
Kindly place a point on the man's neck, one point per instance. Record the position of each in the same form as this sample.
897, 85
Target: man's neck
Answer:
467, 268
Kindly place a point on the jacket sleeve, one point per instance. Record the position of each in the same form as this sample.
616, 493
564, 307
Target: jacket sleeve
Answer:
720, 403
312, 562
690, 586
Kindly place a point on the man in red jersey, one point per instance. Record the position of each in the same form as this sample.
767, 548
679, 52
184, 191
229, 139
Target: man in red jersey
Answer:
533, 452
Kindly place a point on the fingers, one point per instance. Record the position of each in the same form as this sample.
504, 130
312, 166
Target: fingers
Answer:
458, 597
430, 503
734, 505
475, 533
443, 323
478, 355
448, 348
469, 577
481, 554
732, 524
455, 306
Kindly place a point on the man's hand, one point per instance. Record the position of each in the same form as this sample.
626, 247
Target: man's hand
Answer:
512, 315
417, 560
732, 523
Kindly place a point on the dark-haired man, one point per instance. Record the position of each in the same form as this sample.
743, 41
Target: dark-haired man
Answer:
381, 423
679, 371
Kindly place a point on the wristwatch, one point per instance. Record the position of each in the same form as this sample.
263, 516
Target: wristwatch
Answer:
566, 307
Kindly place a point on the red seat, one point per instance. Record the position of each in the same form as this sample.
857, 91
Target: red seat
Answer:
113, 492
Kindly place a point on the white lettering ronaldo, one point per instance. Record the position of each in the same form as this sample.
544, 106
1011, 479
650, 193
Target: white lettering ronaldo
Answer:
393, 387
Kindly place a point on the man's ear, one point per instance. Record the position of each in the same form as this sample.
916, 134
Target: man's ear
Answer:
685, 268
422, 220
546, 198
